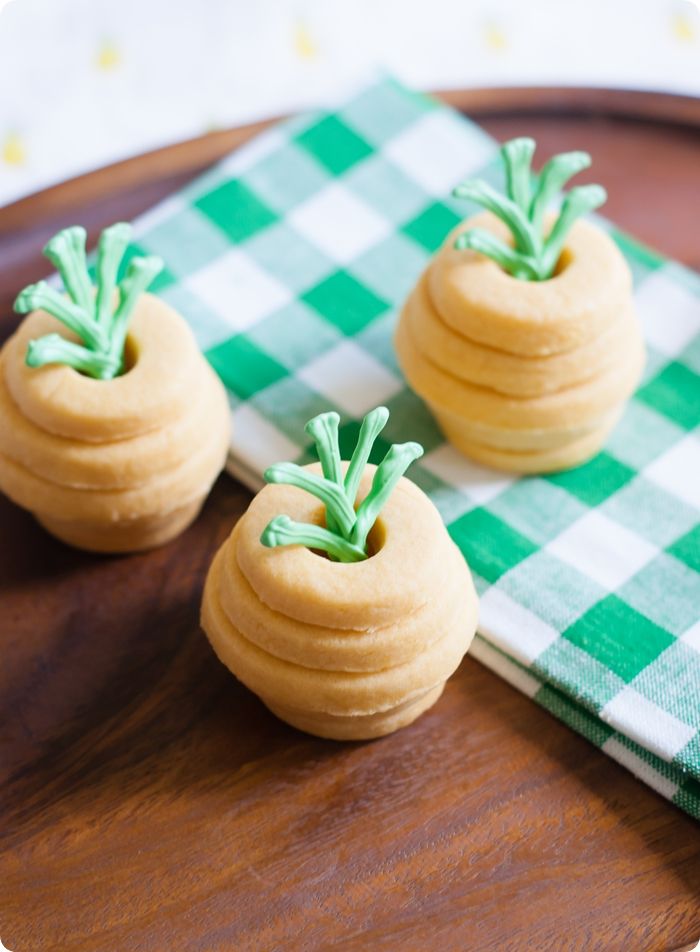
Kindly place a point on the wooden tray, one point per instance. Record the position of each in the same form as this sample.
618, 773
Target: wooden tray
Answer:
149, 802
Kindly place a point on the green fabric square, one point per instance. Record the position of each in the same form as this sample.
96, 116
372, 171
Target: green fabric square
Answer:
650, 511
243, 367
687, 548
551, 589
289, 404
409, 415
334, 144
294, 335
347, 440
578, 673
573, 715
187, 241
675, 392
289, 257
164, 279
537, 508
688, 797
391, 268
286, 177
641, 436
489, 544
432, 226
382, 112
384, 187
620, 638
594, 481
667, 592
236, 209
346, 303
643, 261
672, 682
690, 755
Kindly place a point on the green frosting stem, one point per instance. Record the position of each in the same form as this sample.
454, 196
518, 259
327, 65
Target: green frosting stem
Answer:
330, 494
371, 427
110, 252
284, 531
533, 256
42, 295
54, 349
91, 315
517, 155
344, 537
579, 201
324, 431
478, 239
553, 177
66, 252
139, 274
505, 209
388, 473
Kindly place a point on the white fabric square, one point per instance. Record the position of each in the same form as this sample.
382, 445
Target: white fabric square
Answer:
439, 152
647, 724
258, 443
479, 483
237, 290
669, 313
602, 549
339, 224
513, 628
352, 379
640, 768
678, 470
504, 667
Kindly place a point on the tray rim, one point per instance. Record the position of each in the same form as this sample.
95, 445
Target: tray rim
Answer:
194, 154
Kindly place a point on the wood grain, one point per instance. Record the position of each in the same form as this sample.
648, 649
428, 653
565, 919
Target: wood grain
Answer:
149, 802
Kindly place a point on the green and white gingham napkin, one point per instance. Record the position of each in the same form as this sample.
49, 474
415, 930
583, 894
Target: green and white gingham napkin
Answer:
291, 258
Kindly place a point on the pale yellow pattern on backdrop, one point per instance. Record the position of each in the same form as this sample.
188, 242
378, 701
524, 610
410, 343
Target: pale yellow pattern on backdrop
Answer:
14, 151
108, 56
305, 45
495, 38
683, 28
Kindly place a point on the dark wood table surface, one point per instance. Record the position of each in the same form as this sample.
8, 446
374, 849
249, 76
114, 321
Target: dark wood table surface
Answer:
149, 802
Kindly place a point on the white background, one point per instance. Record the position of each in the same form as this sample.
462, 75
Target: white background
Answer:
86, 82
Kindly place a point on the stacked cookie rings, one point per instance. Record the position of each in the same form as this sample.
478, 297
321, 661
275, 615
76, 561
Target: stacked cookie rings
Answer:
113, 465
347, 651
524, 376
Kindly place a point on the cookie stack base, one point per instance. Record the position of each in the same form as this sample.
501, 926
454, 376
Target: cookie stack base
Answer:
356, 726
136, 535
345, 651
548, 460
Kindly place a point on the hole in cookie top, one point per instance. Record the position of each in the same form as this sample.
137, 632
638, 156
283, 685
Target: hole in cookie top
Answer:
375, 539
565, 259
131, 356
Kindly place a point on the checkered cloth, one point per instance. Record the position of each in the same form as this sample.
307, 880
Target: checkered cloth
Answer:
290, 259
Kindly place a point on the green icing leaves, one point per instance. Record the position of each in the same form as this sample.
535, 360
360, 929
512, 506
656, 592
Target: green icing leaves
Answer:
100, 318
344, 537
533, 256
